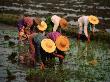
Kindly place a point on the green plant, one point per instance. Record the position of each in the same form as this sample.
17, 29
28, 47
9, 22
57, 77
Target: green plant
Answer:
11, 44
49, 24
31, 73
8, 72
12, 56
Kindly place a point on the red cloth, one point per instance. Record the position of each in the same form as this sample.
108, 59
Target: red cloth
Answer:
28, 21
53, 35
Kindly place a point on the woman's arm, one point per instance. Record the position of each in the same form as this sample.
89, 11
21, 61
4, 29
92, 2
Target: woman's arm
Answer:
55, 27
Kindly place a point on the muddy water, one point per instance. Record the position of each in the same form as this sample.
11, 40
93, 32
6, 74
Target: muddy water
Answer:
71, 9
82, 63
5, 51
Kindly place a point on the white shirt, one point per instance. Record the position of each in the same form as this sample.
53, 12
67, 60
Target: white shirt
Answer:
55, 19
83, 21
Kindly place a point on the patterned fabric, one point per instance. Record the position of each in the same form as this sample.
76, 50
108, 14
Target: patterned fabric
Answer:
53, 35
20, 24
33, 29
28, 21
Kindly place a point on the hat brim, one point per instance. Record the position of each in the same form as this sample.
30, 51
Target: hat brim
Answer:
63, 23
42, 26
93, 19
46, 47
58, 43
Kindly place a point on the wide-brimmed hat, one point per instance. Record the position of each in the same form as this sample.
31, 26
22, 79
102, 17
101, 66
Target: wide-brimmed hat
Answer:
63, 23
42, 26
62, 43
28, 21
48, 45
93, 19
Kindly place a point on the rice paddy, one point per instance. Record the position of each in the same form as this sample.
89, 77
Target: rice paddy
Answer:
83, 62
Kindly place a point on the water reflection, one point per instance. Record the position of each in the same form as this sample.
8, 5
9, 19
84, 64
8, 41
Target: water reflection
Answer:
82, 63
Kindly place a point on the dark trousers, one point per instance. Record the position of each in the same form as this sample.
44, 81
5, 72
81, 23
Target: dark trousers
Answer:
60, 53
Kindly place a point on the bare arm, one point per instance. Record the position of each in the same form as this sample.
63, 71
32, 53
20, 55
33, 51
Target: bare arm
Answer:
86, 31
55, 27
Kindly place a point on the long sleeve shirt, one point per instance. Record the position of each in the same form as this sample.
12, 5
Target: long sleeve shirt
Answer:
55, 19
83, 22
20, 24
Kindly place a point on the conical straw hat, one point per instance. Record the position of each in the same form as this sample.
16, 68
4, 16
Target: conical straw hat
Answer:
62, 43
42, 26
48, 45
93, 19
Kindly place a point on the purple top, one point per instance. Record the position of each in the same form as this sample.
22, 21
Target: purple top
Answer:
20, 24
53, 35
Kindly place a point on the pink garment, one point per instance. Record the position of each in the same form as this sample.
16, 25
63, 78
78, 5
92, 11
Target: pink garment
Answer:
28, 21
55, 19
53, 35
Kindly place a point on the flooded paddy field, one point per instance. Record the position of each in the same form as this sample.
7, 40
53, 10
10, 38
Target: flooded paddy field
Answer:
83, 63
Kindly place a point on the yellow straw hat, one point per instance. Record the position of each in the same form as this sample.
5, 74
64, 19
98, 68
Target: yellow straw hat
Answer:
48, 45
63, 23
42, 26
93, 19
62, 43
